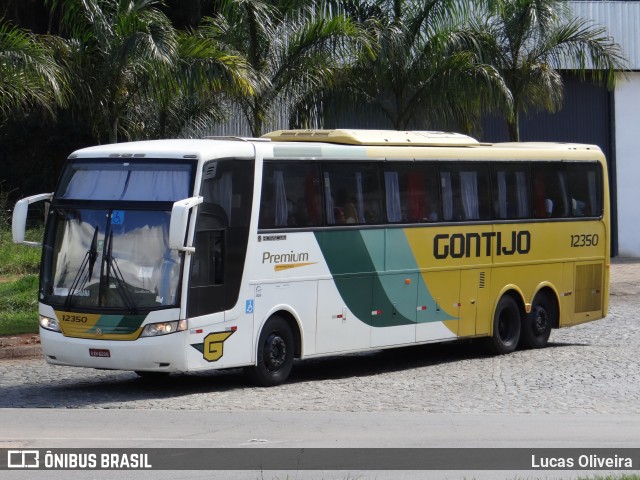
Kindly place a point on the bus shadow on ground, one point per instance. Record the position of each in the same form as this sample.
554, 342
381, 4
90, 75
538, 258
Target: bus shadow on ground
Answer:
115, 389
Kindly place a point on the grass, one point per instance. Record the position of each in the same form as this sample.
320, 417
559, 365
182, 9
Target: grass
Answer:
19, 266
19, 305
16, 260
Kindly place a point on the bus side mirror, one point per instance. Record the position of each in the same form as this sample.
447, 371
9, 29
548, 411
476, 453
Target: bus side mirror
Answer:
19, 219
180, 222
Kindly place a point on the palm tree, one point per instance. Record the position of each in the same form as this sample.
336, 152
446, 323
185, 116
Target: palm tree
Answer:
135, 75
426, 72
193, 95
294, 47
528, 41
29, 75
114, 48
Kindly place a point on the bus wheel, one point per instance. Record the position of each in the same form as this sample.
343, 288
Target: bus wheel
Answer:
506, 327
536, 326
275, 354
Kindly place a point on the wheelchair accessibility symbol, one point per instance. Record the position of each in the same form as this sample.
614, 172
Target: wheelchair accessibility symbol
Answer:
248, 308
117, 217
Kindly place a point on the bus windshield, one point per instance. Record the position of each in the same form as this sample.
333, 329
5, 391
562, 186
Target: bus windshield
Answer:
110, 258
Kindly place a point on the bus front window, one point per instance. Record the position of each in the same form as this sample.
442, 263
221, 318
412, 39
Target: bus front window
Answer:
110, 258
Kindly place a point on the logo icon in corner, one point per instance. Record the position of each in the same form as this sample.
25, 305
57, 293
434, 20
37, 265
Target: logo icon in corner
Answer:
23, 459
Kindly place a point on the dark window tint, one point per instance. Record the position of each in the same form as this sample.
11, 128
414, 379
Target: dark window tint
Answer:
465, 192
511, 196
411, 192
290, 195
550, 190
584, 189
207, 267
221, 236
352, 193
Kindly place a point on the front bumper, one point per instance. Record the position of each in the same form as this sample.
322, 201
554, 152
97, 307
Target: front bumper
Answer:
155, 354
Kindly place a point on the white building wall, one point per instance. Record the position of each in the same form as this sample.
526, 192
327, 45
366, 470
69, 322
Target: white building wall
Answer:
621, 19
627, 131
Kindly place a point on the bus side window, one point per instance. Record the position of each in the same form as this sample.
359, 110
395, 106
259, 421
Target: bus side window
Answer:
583, 179
411, 192
539, 196
290, 195
352, 193
551, 190
511, 192
465, 192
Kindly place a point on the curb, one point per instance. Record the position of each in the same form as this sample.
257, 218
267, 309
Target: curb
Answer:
20, 346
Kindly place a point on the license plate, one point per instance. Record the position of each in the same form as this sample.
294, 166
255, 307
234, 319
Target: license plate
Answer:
99, 352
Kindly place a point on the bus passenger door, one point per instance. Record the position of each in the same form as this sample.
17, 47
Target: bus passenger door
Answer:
437, 309
469, 289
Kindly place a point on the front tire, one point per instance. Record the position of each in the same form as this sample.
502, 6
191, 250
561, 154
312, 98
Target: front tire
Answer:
275, 354
506, 327
536, 326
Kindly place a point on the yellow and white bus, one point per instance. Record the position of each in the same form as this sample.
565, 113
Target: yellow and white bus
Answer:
187, 255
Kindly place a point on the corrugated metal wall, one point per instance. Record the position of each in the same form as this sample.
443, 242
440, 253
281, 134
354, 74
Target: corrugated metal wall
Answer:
622, 20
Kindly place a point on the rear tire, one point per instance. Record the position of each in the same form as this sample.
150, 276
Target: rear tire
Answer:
506, 327
536, 326
275, 354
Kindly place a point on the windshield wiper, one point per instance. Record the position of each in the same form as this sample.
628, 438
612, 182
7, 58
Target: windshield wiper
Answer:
89, 262
121, 285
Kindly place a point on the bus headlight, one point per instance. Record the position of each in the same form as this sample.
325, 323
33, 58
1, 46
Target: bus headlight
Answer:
49, 324
163, 328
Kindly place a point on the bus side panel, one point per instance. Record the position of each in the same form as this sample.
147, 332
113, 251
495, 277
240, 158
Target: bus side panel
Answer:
438, 314
394, 324
212, 345
299, 298
339, 329
526, 279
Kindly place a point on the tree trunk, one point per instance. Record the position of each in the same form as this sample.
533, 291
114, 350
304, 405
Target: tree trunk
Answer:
514, 127
113, 132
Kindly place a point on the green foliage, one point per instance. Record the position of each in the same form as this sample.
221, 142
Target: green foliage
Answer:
135, 76
19, 306
18, 259
119, 70
426, 72
295, 49
528, 41
114, 50
29, 75
19, 266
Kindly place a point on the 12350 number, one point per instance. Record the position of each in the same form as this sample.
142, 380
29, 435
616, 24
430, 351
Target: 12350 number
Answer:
587, 240
74, 318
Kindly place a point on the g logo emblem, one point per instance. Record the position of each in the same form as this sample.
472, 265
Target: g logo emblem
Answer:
213, 345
